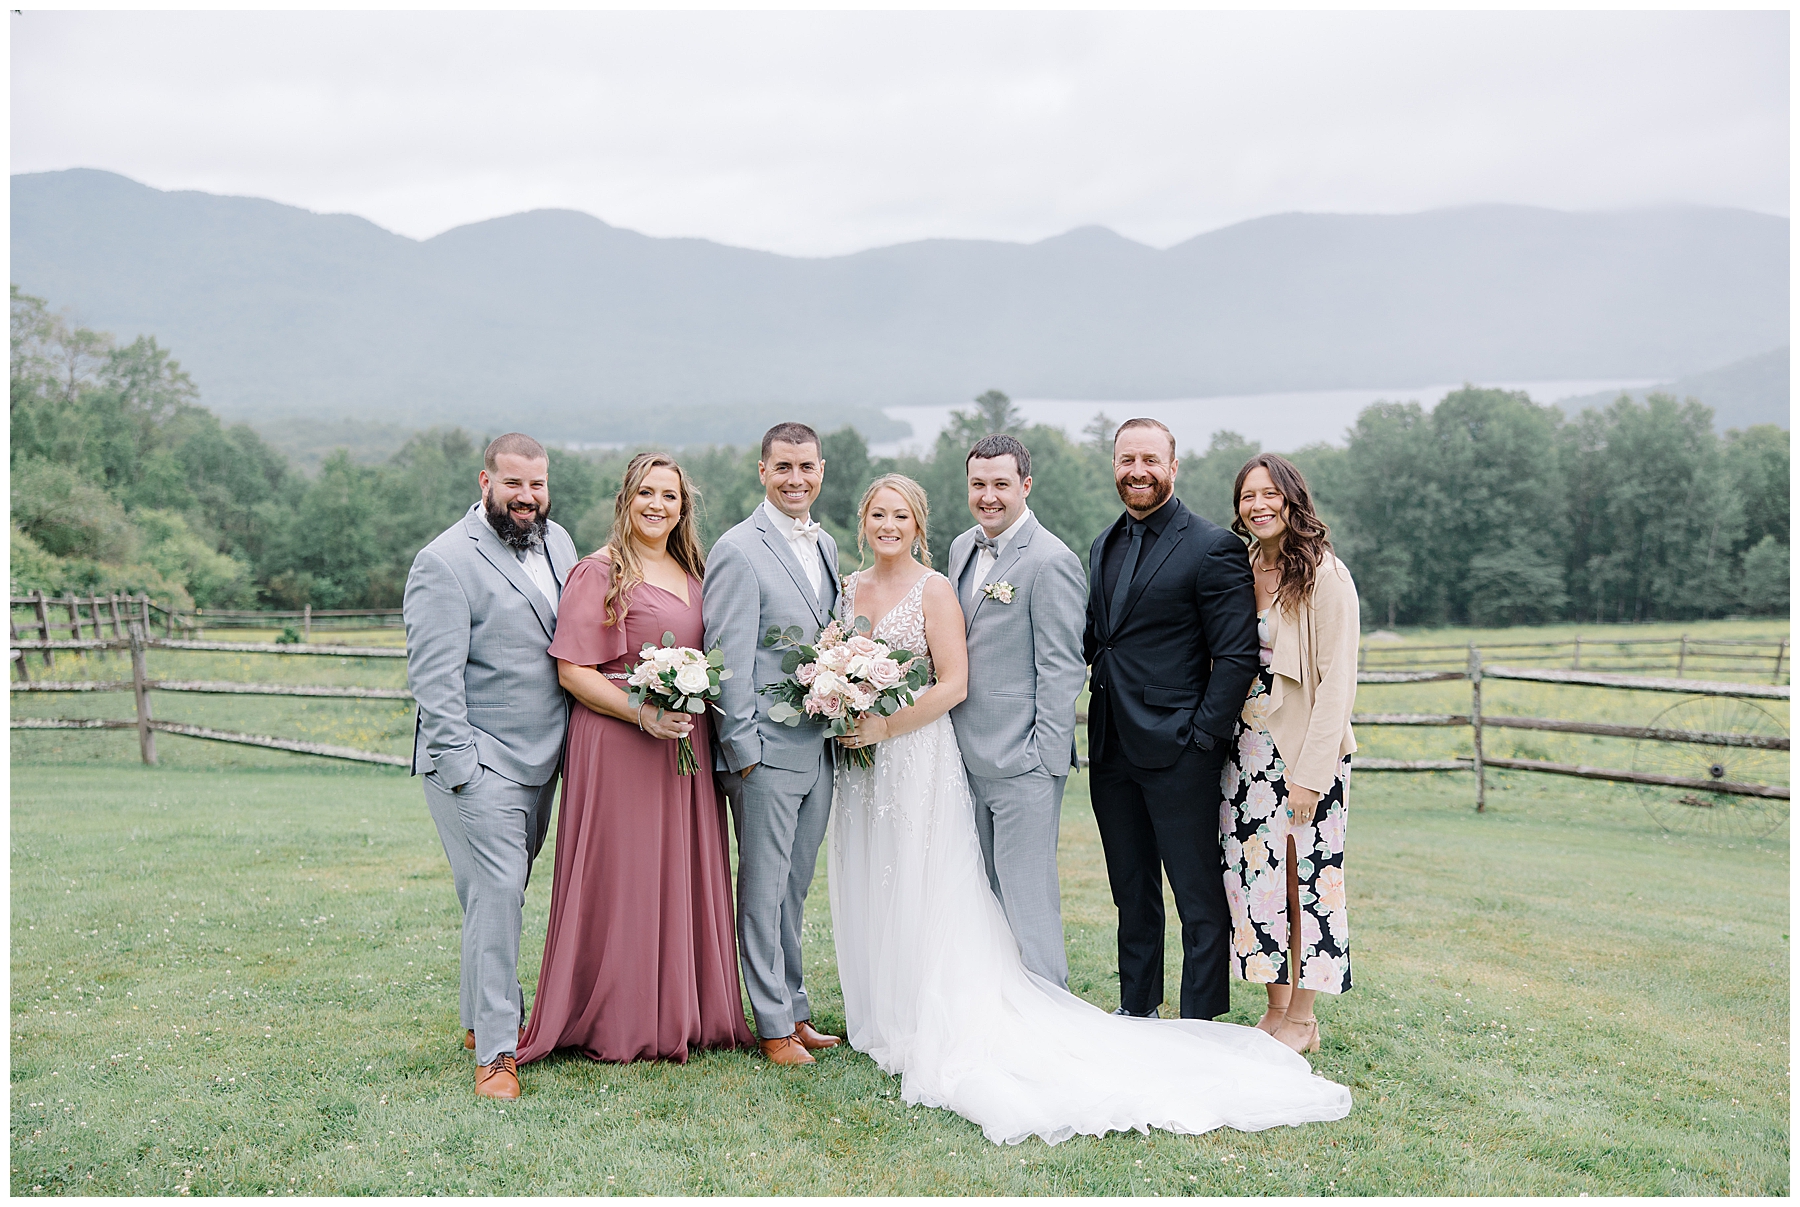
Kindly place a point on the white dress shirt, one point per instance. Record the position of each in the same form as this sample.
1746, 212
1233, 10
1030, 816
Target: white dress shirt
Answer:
535, 563
985, 558
803, 537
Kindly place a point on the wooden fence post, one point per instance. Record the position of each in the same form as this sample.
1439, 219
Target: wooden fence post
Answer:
1362, 650
1578, 651
1475, 725
43, 616
140, 689
1779, 655
117, 622
74, 610
1681, 663
306, 629
21, 658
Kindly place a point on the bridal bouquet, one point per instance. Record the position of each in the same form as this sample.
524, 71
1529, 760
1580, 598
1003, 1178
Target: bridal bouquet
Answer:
677, 679
841, 677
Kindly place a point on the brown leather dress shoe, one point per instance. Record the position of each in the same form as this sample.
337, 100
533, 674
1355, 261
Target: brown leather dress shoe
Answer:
498, 1080
469, 1038
811, 1038
785, 1051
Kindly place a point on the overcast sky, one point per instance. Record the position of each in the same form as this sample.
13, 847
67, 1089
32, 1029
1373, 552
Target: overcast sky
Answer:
820, 133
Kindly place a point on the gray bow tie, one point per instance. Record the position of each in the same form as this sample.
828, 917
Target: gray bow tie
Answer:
984, 541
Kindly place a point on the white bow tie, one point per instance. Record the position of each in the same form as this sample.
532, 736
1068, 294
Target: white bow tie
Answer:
805, 530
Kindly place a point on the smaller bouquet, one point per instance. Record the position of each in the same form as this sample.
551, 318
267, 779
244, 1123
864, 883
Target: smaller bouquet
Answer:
678, 679
842, 677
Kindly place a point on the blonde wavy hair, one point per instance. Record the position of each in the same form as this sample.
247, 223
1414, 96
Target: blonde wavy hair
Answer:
621, 548
916, 502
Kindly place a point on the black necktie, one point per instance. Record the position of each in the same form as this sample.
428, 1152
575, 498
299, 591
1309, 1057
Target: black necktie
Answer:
1126, 569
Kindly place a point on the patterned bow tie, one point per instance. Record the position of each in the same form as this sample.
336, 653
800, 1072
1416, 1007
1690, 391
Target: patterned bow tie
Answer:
984, 541
805, 530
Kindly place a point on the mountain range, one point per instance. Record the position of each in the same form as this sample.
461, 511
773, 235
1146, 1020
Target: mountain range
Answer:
599, 333
1749, 391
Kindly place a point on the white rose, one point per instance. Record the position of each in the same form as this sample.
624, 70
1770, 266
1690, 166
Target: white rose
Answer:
858, 667
692, 679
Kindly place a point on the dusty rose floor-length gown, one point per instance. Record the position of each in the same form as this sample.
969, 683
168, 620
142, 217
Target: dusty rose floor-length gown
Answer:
640, 960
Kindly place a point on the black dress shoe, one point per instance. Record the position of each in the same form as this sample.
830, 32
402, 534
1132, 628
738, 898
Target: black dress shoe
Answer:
1121, 1011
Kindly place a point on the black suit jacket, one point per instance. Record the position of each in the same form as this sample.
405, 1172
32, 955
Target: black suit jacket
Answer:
1178, 664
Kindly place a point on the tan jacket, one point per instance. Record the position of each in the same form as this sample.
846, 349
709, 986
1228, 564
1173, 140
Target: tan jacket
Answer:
1314, 665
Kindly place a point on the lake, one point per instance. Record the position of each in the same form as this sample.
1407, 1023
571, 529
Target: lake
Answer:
1279, 422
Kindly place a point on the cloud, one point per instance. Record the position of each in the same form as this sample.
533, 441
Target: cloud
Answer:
819, 133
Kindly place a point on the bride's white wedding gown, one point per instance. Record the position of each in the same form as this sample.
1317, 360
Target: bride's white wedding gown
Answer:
934, 989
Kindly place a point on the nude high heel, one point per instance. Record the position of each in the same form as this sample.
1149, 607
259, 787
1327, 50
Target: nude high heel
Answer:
1310, 1042
1271, 1020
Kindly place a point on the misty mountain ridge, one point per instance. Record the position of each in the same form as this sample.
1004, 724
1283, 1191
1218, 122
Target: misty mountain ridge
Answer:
602, 333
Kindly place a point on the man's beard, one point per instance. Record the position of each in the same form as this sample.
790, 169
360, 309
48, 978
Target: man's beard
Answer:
520, 539
1160, 492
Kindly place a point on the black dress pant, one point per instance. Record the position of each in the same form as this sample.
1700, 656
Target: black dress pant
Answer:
1156, 819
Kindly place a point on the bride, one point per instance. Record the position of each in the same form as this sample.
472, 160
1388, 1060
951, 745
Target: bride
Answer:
934, 989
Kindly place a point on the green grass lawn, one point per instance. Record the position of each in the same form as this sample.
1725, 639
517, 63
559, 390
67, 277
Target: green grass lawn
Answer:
236, 974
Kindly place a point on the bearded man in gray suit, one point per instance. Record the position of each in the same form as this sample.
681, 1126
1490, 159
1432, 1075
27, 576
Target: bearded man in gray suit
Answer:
480, 612
1025, 598
777, 569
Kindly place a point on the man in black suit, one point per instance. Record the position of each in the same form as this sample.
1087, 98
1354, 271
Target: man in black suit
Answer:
1171, 637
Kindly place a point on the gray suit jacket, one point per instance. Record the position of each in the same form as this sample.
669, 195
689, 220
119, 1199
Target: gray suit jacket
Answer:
753, 582
1025, 663
477, 639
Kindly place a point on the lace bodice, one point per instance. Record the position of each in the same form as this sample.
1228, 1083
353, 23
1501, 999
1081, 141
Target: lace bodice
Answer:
904, 627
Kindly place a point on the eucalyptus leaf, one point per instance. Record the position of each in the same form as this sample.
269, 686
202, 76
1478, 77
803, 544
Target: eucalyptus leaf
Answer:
794, 632
790, 662
668, 640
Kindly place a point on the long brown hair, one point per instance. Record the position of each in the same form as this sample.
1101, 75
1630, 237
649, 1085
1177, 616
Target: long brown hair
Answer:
1307, 542
627, 569
914, 494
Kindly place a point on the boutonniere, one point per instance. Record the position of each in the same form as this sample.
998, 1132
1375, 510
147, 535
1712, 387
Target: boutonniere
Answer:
1000, 592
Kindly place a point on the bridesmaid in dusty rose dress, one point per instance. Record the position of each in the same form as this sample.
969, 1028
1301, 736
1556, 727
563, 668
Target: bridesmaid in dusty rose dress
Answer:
640, 962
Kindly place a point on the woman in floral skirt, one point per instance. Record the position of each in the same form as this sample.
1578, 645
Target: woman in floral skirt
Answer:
1283, 818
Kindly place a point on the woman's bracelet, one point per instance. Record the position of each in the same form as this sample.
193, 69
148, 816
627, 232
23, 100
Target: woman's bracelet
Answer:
640, 717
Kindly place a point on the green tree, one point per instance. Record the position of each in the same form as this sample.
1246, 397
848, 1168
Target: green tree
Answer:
1389, 497
1656, 521
1765, 578
1206, 480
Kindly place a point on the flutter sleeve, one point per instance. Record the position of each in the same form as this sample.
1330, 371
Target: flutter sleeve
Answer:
582, 635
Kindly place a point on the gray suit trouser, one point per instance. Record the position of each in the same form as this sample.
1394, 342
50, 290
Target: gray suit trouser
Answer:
492, 830
780, 818
1017, 820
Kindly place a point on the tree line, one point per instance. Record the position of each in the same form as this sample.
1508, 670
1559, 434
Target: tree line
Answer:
1487, 509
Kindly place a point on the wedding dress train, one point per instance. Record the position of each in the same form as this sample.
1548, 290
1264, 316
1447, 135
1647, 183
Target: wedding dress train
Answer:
935, 991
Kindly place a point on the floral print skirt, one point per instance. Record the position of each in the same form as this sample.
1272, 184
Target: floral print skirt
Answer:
1254, 830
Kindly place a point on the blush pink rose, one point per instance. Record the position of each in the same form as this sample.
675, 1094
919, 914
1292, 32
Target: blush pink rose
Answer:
807, 673
884, 673
860, 644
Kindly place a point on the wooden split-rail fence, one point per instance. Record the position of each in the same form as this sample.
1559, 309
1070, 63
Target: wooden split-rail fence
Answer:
137, 641
129, 620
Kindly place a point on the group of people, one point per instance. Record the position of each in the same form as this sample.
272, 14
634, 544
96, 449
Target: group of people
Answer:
1222, 677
